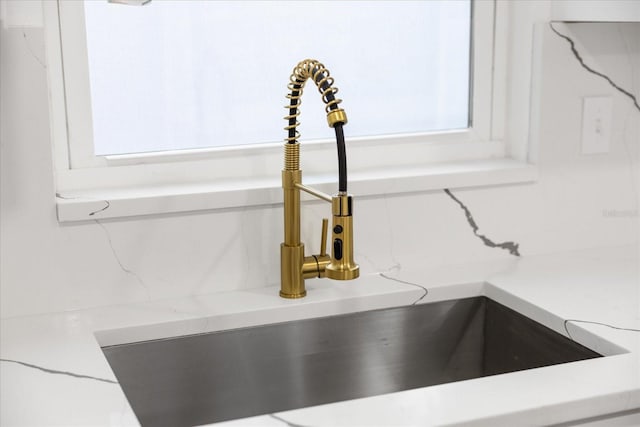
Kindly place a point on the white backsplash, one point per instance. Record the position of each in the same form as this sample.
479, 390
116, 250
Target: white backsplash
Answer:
580, 201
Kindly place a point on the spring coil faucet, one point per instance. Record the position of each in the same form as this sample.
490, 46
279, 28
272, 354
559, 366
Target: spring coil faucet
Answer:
295, 267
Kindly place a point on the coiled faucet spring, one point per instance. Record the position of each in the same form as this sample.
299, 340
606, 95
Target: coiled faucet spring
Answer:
336, 117
315, 70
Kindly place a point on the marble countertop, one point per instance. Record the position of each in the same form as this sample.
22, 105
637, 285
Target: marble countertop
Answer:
52, 371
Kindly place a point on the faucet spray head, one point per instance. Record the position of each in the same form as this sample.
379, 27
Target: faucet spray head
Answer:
342, 265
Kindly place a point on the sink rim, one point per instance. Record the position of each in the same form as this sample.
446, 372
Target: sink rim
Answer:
482, 303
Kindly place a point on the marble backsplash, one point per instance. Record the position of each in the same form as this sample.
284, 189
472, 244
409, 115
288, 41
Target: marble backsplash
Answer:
580, 201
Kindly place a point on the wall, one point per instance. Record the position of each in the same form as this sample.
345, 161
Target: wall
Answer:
580, 201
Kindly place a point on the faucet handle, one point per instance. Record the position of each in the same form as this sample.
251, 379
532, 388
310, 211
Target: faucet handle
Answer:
323, 238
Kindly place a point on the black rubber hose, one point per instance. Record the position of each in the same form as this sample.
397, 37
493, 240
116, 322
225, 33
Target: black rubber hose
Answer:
342, 159
342, 152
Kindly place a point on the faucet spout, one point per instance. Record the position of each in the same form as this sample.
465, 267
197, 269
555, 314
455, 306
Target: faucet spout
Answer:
311, 69
295, 267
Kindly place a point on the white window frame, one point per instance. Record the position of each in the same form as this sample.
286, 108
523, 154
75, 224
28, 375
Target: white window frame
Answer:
494, 150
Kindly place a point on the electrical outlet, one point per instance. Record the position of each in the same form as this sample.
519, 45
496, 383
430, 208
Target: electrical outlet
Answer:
596, 124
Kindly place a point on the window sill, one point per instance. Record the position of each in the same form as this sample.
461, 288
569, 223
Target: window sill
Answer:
167, 199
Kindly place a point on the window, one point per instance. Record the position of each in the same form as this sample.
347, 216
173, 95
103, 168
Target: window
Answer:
154, 102
192, 74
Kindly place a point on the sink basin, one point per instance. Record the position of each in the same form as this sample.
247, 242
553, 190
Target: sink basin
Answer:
219, 376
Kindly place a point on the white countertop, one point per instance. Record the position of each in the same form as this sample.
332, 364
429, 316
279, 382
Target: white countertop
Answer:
53, 371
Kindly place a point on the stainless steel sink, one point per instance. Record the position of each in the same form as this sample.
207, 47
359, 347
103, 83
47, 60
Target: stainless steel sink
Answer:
239, 373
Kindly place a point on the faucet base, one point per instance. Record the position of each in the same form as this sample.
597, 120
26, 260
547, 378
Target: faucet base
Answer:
293, 296
349, 273
291, 278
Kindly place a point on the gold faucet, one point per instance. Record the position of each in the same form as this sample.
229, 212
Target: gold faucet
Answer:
295, 267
